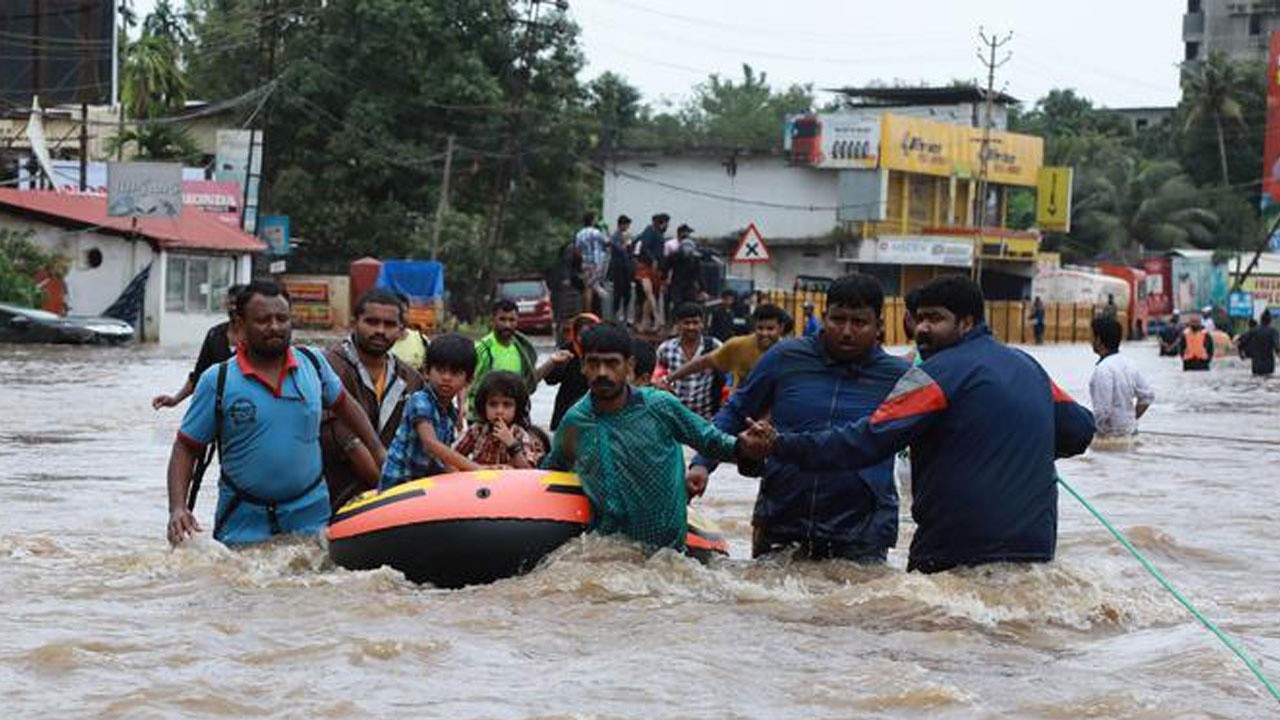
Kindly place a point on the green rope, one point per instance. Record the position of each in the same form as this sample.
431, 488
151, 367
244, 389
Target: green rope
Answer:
1225, 638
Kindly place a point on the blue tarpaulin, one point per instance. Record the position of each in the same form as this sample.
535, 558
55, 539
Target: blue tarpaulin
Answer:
421, 281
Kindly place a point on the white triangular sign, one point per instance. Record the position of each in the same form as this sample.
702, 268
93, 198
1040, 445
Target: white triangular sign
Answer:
751, 248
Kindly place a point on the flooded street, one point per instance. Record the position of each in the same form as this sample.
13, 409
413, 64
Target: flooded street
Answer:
101, 619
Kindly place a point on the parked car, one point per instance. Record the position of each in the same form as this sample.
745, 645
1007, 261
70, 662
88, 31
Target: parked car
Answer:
23, 324
533, 302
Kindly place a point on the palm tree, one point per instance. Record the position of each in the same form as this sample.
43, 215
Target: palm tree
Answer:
1132, 205
1210, 89
153, 81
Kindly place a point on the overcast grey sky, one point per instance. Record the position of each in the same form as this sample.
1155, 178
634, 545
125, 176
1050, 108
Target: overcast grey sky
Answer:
1119, 53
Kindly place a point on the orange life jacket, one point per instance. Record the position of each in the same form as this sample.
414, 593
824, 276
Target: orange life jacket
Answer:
1193, 346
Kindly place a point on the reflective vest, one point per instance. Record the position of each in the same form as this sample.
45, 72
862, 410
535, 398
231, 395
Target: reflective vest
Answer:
1193, 347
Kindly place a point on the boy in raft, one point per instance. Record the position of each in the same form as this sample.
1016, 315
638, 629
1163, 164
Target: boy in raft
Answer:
424, 440
624, 443
501, 439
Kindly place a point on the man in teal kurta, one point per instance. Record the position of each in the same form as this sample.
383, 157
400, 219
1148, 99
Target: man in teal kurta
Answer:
624, 443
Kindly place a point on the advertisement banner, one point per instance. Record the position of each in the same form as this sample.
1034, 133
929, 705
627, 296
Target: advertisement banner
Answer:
144, 189
274, 231
915, 145
918, 250
1271, 143
849, 140
933, 148
239, 159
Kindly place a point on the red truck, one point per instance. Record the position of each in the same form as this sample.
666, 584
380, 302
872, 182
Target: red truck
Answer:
1139, 309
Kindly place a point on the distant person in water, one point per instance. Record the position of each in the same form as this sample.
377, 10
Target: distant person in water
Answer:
1119, 392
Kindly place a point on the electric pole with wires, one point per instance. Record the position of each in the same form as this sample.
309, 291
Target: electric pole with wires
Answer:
987, 54
512, 152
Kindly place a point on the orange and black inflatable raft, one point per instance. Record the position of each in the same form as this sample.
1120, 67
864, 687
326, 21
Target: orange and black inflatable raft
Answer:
474, 527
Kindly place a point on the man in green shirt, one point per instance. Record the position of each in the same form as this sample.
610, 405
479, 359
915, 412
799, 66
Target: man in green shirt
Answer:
504, 348
624, 443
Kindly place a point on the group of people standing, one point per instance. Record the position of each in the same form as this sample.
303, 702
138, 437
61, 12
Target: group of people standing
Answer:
1197, 341
636, 280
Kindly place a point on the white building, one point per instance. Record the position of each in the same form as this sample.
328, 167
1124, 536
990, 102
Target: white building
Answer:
190, 260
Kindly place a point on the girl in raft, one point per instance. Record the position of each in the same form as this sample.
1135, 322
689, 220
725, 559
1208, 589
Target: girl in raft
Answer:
501, 439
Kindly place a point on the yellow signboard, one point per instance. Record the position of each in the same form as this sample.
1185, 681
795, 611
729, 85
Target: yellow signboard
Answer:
1053, 199
933, 148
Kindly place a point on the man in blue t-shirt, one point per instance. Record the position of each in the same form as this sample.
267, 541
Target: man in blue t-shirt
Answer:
269, 403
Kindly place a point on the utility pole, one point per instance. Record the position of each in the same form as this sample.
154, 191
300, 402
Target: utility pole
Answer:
443, 203
986, 54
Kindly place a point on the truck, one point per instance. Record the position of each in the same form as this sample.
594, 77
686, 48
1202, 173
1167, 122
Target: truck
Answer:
1136, 279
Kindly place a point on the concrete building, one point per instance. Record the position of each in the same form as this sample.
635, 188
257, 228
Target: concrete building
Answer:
1238, 29
870, 188
188, 261
1145, 118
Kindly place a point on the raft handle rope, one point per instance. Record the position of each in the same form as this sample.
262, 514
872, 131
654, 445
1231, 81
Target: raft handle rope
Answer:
1224, 637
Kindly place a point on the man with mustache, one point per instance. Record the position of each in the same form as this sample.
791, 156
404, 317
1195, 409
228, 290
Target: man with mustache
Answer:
378, 382
624, 442
262, 409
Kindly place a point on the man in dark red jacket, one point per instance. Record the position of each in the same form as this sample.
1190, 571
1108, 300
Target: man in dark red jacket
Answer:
377, 382
984, 423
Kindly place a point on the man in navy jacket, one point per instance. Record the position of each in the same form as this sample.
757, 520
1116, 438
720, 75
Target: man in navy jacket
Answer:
984, 423
812, 384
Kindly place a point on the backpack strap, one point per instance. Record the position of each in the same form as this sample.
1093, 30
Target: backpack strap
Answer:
202, 465
310, 355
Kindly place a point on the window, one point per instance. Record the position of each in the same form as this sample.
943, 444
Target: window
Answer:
197, 284
1193, 51
1255, 25
1193, 6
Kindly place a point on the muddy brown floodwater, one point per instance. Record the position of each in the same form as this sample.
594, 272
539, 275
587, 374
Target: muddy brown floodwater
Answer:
100, 619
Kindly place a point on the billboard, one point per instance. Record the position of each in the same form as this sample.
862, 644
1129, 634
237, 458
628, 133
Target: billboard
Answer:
1271, 143
238, 161
144, 189
62, 51
932, 148
274, 231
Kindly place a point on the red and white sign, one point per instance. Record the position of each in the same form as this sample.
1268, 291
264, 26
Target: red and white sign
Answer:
751, 248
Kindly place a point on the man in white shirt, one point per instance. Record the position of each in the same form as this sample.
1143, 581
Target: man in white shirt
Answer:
1120, 394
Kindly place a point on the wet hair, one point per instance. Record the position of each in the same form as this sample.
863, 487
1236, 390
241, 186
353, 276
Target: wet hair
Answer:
688, 310
1106, 330
381, 296
540, 435
769, 311
646, 357
1265, 319
623, 220
912, 300
234, 291
502, 383
728, 292
857, 290
661, 218
265, 288
606, 339
588, 218
452, 351
505, 305
958, 294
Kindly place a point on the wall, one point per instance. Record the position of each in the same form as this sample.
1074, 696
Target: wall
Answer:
767, 179
91, 290
321, 302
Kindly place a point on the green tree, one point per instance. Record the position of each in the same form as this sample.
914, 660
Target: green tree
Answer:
615, 109
153, 85
1210, 90
369, 91
724, 113
1130, 206
20, 260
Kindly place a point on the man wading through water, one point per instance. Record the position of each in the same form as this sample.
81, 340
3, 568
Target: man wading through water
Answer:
378, 382
984, 423
217, 346
263, 408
